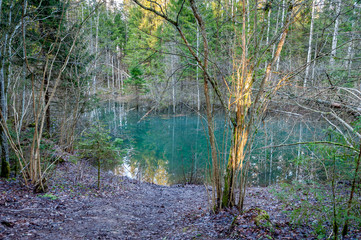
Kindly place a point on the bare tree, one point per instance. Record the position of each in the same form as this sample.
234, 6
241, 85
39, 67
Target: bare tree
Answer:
239, 94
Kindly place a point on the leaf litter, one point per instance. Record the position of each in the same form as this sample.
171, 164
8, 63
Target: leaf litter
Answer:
128, 209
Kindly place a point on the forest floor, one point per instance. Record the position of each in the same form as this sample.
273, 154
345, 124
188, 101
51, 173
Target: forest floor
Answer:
127, 209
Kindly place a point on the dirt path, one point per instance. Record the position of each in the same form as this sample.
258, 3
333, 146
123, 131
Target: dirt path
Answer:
134, 211
124, 209
144, 211
127, 209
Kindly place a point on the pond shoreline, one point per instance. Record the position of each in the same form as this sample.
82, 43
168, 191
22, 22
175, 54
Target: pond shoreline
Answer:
275, 108
173, 148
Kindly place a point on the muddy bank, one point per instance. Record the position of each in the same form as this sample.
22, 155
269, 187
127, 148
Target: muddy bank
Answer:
127, 209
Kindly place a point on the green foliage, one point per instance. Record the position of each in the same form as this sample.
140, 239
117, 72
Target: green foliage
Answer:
96, 144
136, 79
357, 125
262, 217
313, 205
49, 196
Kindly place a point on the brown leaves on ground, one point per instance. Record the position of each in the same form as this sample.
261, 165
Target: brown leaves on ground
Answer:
126, 209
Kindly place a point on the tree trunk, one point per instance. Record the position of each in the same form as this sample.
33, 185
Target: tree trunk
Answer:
108, 64
314, 61
5, 165
271, 162
120, 75
246, 111
353, 187
309, 46
96, 53
215, 168
242, 78
335, 34
282, 20
172, 60
268, 30
276, 30
113, 73
46, 98
298, 169
197, 69
24, 77
350, 49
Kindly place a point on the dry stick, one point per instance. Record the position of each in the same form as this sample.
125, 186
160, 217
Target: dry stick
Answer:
314, 142
335, 226
345, 227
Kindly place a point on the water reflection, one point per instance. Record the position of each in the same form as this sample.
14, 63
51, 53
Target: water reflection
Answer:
168, 149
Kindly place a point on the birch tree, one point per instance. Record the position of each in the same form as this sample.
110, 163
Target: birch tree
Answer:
5, 165
335, 33
309, 52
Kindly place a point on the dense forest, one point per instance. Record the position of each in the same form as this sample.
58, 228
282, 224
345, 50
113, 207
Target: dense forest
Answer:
246, 61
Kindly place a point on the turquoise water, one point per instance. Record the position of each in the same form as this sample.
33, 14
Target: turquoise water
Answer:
169, 149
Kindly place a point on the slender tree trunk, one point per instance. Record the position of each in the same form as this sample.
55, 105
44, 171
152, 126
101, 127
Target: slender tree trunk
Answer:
9, 54
120, 74
215, 166
46, 98
276, 30
350, 53
314, 61
308, 63
108, 64
173, 79
113, 73
245, 113
5, 165
335, 33
350, 49
268, 31
349, 204
282, 20
271, 162
298, 169
197, 74
96, 52
242, 93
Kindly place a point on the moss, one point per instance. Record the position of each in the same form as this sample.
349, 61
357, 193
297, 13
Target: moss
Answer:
49, 196
262, 216
5, 169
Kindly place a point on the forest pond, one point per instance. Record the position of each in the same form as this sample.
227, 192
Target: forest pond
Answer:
170, 148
